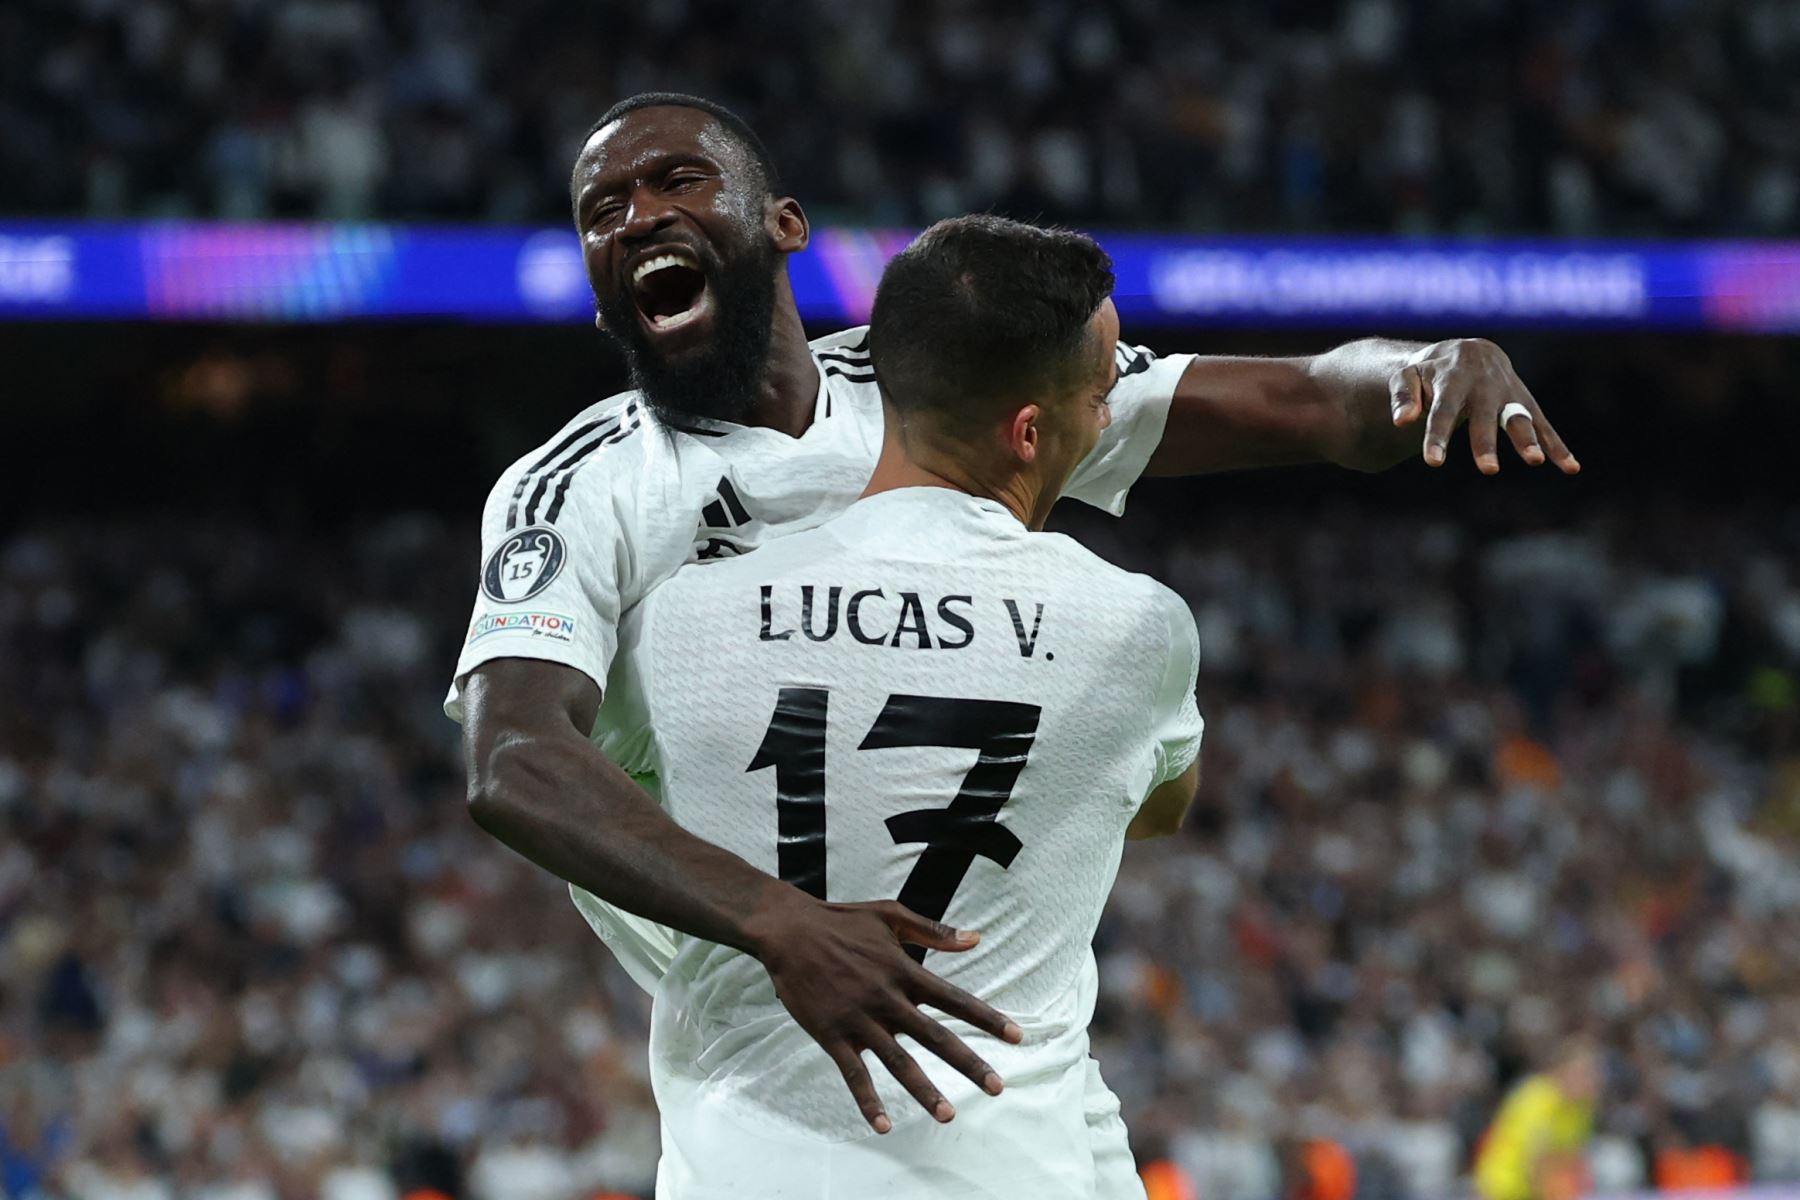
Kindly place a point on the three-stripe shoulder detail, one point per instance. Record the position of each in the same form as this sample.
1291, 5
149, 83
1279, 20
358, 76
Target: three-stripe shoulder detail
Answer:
549, 477
850, 363
857, 349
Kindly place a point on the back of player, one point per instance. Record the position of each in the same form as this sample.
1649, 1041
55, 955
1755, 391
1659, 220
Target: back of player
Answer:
920, 700
923, 701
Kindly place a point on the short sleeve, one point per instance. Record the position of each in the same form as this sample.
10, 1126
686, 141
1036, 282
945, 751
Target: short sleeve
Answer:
553, 577
1177, 726
1140, 409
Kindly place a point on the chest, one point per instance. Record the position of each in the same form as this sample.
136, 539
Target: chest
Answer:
740, 492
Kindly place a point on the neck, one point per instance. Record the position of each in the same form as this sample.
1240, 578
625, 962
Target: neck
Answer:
922, 465
790, 382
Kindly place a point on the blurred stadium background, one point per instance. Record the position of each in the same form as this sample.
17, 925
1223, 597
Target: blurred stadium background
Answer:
1491, 764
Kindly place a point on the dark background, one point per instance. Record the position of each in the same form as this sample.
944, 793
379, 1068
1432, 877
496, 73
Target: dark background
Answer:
352, 420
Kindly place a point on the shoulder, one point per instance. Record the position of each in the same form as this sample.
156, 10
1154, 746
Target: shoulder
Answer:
852, 341
791, 554
1141, 603
602, 446
1128, 587
1133, 359
1143, 373
789, 557
1532, 1098
844, 359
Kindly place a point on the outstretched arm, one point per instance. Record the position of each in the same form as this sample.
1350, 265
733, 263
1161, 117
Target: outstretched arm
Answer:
1366, 405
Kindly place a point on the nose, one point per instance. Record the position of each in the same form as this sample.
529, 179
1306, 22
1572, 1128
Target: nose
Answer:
645, 213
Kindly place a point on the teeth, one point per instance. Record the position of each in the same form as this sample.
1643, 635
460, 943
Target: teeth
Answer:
658, 263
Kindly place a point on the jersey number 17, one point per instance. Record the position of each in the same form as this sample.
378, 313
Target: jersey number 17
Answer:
1000, 731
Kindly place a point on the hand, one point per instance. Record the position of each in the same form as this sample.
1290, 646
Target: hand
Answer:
841, 972
1472, 379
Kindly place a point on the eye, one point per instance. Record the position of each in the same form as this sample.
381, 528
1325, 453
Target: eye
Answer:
685, 181
605, 212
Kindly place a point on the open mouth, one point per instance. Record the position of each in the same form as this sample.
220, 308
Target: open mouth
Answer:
670, 290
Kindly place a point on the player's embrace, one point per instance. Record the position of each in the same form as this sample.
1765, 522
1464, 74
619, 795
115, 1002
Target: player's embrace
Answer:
738, 432
923, 699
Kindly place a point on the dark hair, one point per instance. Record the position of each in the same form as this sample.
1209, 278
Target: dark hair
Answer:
733, 124
980, 312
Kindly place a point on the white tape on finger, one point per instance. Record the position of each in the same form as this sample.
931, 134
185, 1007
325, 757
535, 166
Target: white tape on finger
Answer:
1512, 412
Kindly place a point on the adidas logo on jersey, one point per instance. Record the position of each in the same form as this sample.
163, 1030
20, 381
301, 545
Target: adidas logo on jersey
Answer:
724, 512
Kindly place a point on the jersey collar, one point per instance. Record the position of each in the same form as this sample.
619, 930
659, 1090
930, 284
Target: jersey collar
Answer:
944, 499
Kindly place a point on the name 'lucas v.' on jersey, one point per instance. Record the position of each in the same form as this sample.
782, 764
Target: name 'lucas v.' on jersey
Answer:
577, 532
920, 700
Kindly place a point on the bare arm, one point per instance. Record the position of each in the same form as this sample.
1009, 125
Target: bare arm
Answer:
539, 785
1359, 406
1164, 810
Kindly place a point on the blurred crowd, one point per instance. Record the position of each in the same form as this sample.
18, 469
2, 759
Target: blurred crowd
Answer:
1465, 797
1558, 116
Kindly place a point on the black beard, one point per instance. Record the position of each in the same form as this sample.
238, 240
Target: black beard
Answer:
719, 381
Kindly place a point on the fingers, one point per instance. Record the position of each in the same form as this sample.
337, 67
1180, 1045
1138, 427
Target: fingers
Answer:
1522, 431
1406, 395
912, 1077
1471, 379
916, 930
1484, 434
1553, 444
1446, 408
947, 1046
850, 1065
893, 1008
948, 998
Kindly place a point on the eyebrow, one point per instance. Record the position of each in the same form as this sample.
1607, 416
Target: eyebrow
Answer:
661, 161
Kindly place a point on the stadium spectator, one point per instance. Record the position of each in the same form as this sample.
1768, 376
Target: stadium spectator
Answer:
1564, 116
250, 946
1536, 1148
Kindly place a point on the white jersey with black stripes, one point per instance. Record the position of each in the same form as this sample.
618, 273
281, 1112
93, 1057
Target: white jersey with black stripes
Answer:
925, 701
576, 533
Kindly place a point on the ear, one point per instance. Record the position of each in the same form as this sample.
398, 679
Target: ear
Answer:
787, 225
1022, 433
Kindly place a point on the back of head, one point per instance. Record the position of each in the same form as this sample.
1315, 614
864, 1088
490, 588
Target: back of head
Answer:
981, 314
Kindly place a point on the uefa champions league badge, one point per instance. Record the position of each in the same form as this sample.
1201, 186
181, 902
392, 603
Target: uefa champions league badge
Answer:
523, 565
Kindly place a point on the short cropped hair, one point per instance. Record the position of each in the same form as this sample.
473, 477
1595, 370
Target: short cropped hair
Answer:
981, 312
736, 126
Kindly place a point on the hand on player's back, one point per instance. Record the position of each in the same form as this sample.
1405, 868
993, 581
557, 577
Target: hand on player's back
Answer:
840, 969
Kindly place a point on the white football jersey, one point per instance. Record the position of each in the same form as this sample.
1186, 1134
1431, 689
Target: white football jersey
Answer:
577, 532
921, 700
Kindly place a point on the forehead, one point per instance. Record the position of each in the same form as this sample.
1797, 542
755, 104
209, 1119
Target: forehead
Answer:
644, 137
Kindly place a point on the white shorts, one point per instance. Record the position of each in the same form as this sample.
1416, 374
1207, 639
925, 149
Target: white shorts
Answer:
646, 949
